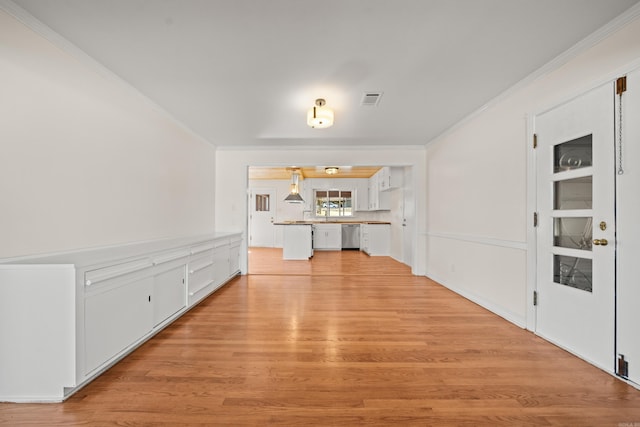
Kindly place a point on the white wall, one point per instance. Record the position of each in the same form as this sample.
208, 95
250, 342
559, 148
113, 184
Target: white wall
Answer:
477, 181
232, 165
86, 161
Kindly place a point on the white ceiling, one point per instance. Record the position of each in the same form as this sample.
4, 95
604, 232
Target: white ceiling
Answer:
244, 72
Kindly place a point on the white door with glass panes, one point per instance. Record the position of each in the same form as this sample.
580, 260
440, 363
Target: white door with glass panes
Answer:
262, 210
576, 226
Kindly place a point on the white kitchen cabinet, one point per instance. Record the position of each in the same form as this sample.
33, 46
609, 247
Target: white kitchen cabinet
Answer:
327, 237
361, 194
374, 193
297, 242
98, 305
375, 239
307, 195
378, 200
389, 178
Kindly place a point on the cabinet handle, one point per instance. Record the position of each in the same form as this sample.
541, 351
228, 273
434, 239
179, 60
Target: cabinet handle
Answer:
202, 267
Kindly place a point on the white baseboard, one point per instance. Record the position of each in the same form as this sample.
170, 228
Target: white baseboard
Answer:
516, 319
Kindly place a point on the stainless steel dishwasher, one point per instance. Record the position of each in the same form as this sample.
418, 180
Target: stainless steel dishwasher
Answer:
350, 236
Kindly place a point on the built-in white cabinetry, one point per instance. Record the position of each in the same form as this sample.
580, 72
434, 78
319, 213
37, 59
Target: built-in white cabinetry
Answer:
373, 193
307, 195
362, 194
375, 239
201, 275
327, 237
234, 255
169, 293
220, 263
389, 178
106, 302
116, 316
378, 200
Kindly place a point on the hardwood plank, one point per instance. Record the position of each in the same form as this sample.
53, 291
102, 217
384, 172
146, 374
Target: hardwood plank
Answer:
354, 341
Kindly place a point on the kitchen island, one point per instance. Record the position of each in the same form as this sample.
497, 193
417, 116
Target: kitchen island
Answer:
299, 242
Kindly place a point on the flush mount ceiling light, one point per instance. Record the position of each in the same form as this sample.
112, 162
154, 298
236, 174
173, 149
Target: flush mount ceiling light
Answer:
320, 117
332, 170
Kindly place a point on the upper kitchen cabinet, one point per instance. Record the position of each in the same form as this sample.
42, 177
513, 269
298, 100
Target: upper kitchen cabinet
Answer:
389, 178
362, 194
307, 195
378, 200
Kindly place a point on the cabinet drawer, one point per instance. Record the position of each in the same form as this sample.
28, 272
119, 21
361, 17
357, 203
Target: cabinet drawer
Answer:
200, 278
93, 277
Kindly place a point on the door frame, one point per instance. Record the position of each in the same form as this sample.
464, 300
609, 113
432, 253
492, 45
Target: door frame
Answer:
531, 203
532, 190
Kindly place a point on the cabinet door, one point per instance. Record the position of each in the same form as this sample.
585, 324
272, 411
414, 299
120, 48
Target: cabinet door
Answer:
374, 193
307, 195
115, 319
319, 238
234, 258
364, 238
334, 237
169, 294
379, 239
383, 179
362, 194
221, 264
327, 236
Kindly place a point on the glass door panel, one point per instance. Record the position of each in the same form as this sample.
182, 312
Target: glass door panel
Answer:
574, 193
573, 271
573, 233
573, 197
574, 154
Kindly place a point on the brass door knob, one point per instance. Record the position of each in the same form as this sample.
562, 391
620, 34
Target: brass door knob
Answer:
600, 242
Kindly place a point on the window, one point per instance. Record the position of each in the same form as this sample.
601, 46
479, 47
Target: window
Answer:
333, 203
262, 202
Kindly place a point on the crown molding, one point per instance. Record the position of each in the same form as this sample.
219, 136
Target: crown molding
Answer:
319, 147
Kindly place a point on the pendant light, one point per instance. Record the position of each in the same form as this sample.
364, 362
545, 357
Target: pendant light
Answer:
294, 191
320, 117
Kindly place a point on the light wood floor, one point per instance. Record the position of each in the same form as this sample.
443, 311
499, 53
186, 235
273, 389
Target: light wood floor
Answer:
376, 348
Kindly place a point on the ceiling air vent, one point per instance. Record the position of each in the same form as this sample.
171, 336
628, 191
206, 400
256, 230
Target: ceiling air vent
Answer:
371, 99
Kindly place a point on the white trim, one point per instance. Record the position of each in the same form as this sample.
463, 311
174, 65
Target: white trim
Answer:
607, 369
66, 46
582, 46
511, 244
507, 315
420, 147
532, 236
